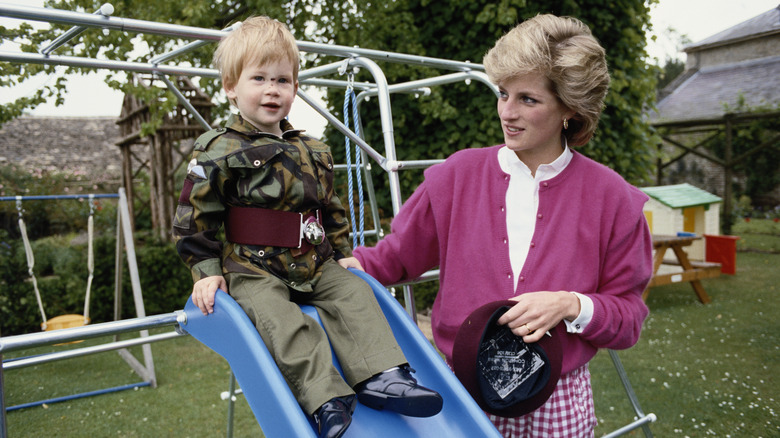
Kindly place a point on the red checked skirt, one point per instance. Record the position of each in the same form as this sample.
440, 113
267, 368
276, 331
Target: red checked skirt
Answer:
568, 413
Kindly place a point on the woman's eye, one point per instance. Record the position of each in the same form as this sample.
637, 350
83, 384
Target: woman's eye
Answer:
503, 95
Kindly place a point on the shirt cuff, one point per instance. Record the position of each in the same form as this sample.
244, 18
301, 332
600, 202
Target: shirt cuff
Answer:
583, 319
206, 268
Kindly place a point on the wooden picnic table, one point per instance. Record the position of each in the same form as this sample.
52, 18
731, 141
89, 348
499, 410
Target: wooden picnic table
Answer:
692, 271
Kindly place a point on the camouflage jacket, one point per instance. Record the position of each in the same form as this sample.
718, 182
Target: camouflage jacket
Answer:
237, 165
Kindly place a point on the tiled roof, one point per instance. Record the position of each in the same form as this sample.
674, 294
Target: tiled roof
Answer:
72, 144
681, 195
767, 22
705, 93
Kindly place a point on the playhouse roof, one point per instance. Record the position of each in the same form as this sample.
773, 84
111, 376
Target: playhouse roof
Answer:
681, 195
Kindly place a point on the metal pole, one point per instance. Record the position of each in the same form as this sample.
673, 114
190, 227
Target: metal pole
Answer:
643, 419
121, 24
343, 129
189, 32
57, 197
105, 10
386, 120
13, 364
3, 428
31, 340
184, 101
75, 61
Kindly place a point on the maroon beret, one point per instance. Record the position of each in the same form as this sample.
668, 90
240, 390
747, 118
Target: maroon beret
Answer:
506, 376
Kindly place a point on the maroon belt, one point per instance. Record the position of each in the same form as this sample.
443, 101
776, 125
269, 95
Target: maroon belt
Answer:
266, 227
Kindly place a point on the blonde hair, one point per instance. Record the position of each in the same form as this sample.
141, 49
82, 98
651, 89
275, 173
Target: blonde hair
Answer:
257, 40
563, 50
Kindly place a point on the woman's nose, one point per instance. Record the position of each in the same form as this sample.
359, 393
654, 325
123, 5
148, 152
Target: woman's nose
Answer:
507, 111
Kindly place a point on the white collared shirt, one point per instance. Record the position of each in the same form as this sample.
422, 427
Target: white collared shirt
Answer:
522, 202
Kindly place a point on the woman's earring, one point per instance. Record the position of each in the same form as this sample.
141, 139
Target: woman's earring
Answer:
565, 124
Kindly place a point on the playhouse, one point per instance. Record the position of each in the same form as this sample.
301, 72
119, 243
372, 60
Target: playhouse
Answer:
683, 208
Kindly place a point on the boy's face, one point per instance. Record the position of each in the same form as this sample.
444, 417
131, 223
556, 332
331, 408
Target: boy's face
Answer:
264, 94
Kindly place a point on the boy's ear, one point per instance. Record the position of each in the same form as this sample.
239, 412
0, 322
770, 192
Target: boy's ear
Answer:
230, 90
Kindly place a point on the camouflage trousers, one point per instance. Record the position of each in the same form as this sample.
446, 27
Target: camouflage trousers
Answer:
356, 327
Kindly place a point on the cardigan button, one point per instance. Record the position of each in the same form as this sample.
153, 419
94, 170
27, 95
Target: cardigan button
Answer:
539, 216
533, 244
521, 278
544, 184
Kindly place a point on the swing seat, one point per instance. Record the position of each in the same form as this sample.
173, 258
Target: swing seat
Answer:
65, 321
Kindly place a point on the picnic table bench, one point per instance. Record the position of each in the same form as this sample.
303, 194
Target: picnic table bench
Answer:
692, 271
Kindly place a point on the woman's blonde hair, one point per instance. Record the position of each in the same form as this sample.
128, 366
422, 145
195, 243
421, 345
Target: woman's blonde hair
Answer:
257, 40
563, 50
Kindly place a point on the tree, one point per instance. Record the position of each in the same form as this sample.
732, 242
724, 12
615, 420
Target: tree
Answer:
464, 116
666, 74
451, 118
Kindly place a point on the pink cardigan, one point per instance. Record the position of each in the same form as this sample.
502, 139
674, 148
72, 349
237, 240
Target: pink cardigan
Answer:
591, 237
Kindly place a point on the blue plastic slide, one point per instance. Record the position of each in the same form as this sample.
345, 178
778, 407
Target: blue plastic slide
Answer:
229, 332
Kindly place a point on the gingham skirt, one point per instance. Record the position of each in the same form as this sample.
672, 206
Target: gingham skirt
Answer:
568, 413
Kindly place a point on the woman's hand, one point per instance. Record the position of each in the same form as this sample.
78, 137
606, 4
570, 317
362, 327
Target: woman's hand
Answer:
350, 262
537, 312
204, 290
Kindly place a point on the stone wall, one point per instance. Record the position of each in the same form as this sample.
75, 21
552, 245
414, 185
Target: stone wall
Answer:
82, 146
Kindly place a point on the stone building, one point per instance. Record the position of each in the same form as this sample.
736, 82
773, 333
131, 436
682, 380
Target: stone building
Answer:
733, 69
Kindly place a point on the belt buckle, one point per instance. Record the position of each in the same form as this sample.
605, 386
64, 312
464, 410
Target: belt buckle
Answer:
312, 230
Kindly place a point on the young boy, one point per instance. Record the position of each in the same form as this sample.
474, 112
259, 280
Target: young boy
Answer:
271, 187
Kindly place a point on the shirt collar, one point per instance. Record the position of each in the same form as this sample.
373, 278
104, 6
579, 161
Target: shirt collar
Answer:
238, 123
511, 164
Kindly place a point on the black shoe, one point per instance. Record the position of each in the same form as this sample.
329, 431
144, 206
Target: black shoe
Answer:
334, 416
398, 391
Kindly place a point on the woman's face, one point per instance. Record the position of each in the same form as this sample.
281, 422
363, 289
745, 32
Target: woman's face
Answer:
531, 115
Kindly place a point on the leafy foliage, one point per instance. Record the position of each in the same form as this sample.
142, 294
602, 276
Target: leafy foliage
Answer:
760, 167
671, 69
459, 116
61, 272
41, 218
451, 118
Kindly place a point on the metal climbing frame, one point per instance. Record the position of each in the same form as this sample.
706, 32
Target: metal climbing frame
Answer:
349, 58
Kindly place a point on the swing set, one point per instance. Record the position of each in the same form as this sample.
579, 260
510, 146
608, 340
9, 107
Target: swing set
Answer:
69, 320
63, 323
254, 361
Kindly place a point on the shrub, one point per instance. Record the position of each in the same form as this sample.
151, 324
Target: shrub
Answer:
61, 271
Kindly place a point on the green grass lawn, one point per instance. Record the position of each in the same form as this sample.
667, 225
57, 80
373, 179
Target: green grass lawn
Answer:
186, 402
704, 370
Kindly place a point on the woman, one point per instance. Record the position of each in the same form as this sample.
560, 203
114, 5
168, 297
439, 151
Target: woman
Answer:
533, 221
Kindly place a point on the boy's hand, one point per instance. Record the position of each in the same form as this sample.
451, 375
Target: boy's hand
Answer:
350, 262
204, 290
